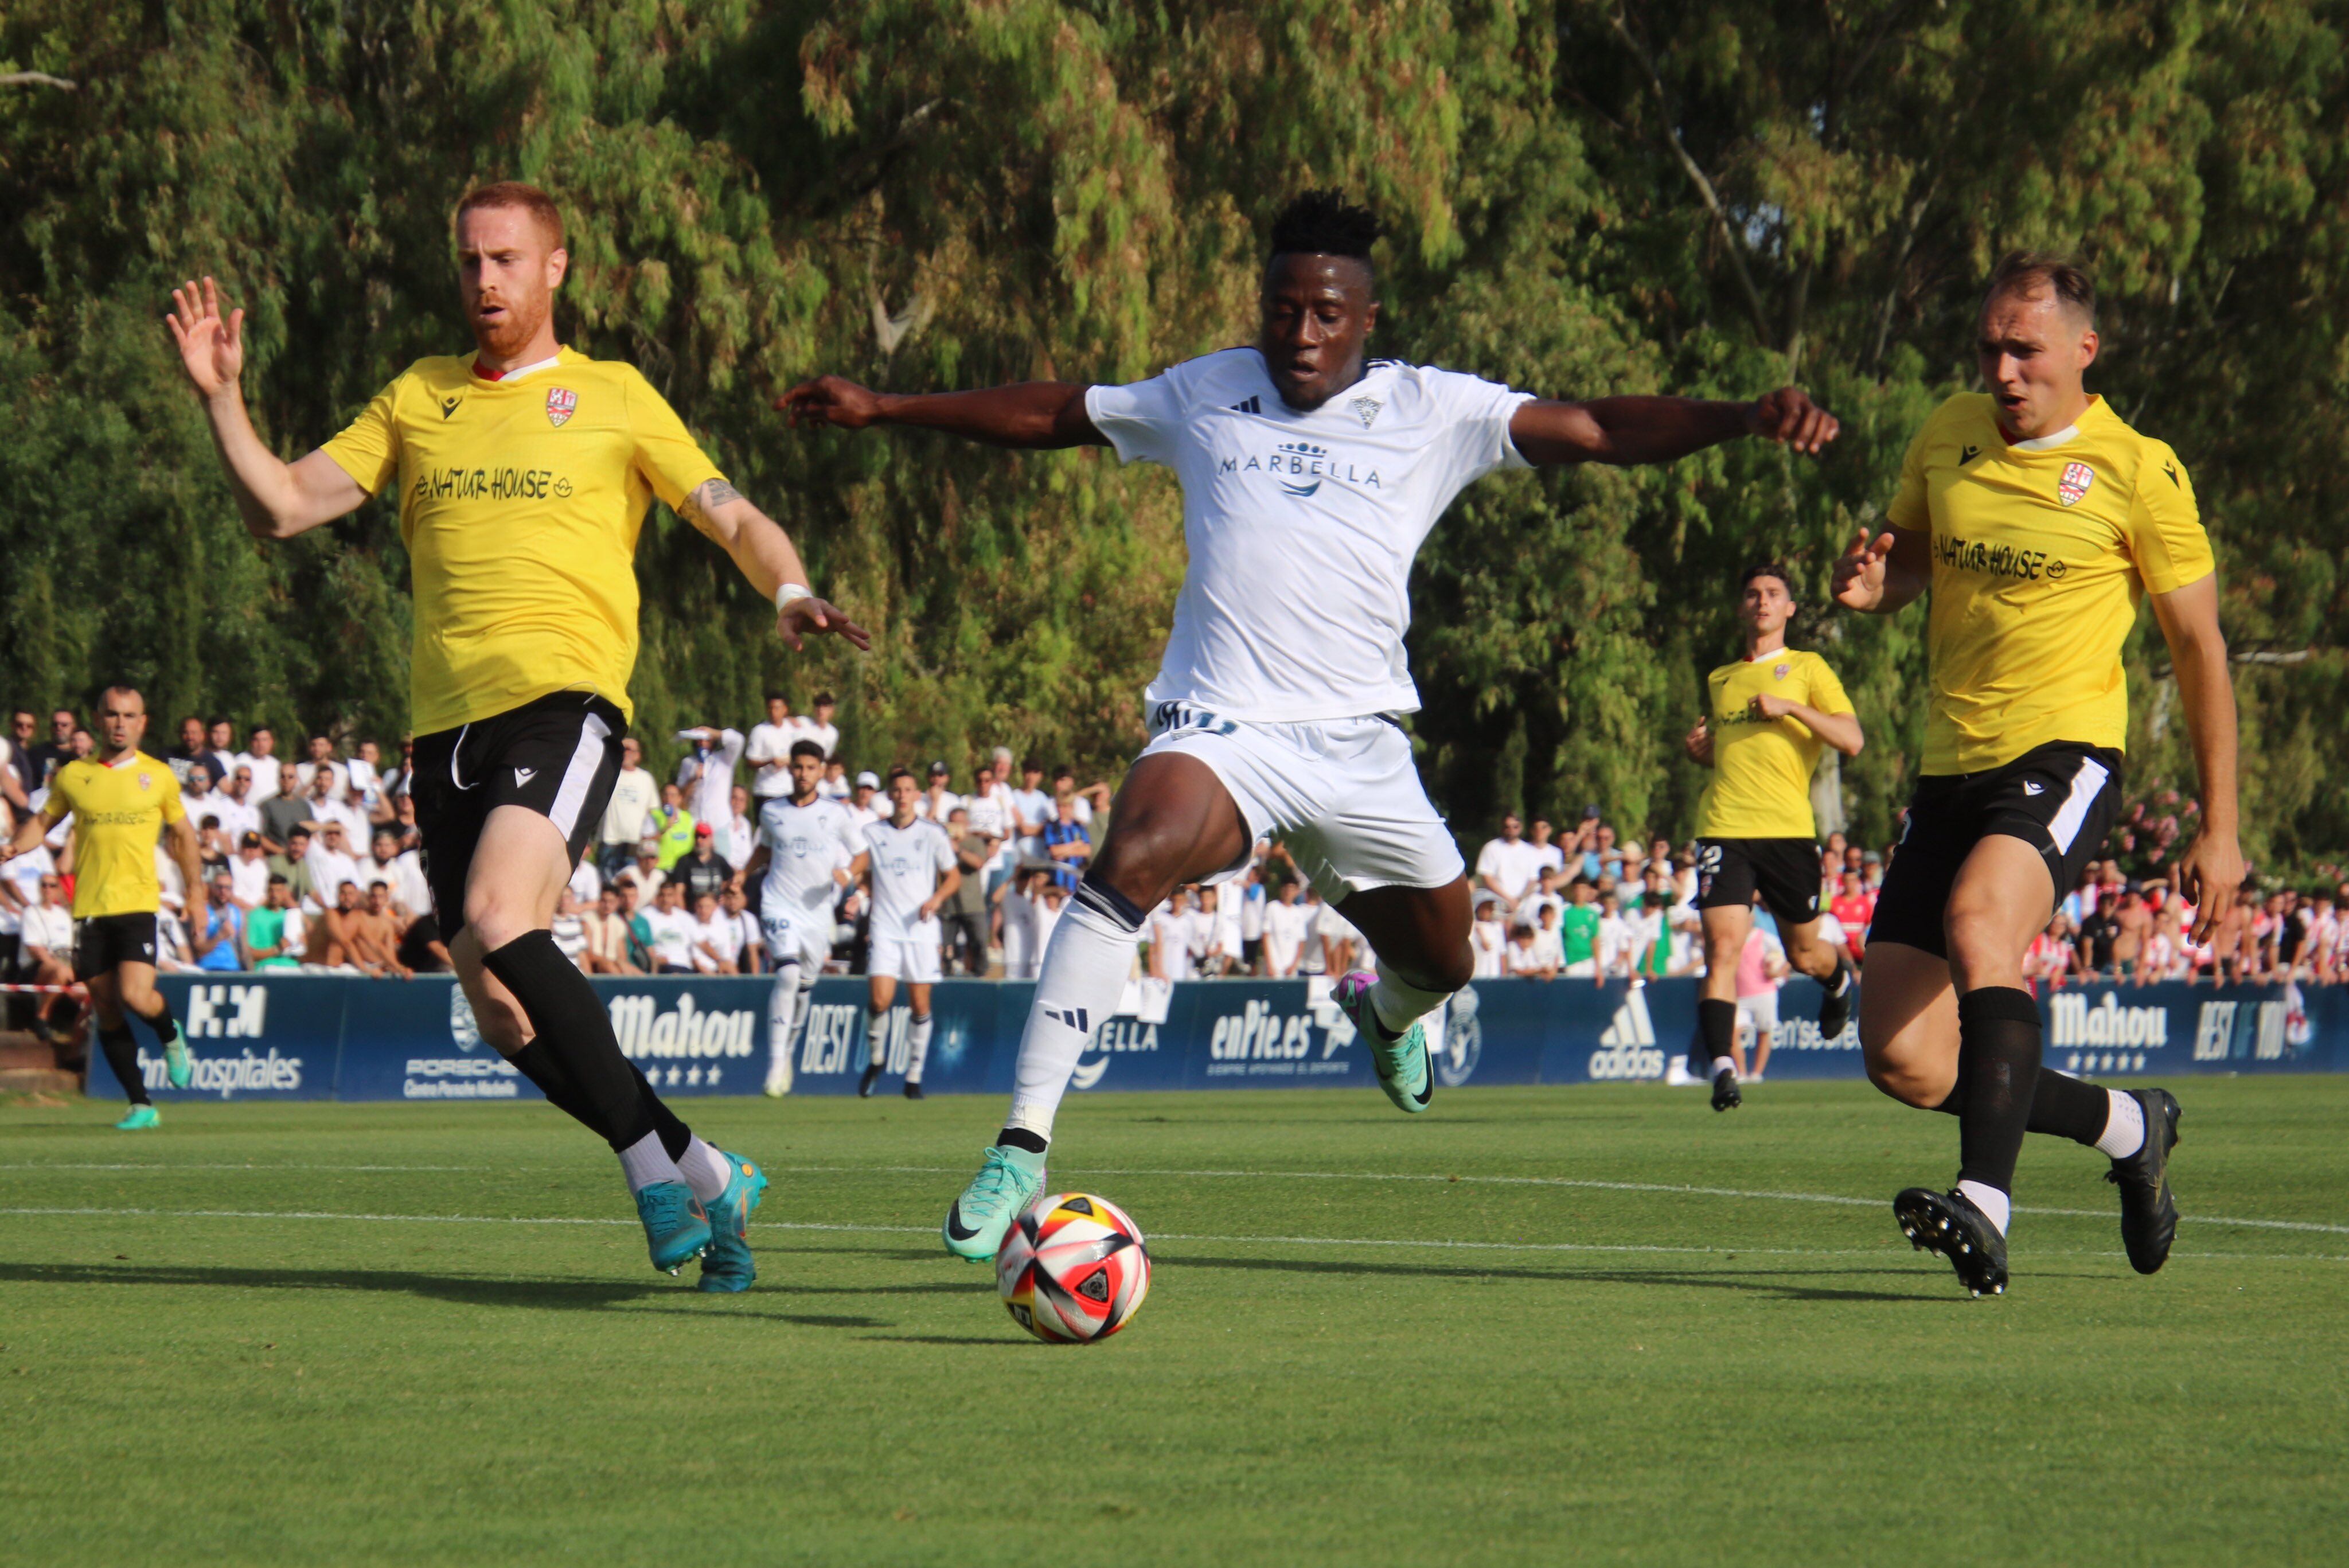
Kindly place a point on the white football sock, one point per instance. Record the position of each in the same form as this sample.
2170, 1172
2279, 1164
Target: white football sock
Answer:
1398, 1004
918, 1047
705, 1171
782, 1018
2124, 1125
876, 1038
1723, 1064
1989, 1200
645, 1162
1085, 965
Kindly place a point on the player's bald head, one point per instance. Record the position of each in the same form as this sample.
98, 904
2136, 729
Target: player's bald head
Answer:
2044, 275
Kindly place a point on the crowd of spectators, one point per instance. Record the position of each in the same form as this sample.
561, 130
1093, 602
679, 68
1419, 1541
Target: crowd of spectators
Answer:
310, 862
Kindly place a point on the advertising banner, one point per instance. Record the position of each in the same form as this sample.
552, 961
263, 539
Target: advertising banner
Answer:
307, 1037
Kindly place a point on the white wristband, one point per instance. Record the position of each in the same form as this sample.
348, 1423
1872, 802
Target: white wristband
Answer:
785, 594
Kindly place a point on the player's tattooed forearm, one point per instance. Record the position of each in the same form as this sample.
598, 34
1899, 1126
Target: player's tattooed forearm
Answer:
699, 505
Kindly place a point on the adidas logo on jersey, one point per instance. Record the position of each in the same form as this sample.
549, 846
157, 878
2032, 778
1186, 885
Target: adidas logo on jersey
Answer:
1248, 406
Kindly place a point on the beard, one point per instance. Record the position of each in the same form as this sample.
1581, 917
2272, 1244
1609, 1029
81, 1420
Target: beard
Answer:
512, 333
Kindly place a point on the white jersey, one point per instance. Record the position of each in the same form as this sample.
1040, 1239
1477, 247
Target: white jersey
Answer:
906, 864
805, 844
1302, 526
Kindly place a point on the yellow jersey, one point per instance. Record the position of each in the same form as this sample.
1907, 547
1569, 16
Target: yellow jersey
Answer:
2042, 550
1762, 768
520, 502
120, 810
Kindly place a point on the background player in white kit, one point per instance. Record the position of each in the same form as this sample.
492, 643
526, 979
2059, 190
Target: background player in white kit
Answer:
1310, 478
809, 849
910, 866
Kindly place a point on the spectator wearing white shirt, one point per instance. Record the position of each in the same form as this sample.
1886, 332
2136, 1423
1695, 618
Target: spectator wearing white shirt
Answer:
818, 726
569, 930
1487, 938
1170, 938
1551, 857
1249, 902
1015, 905
1031, 805
400, 871
834, 785
734, 837
262, 757
706, 773
234, 805
248, 873
1524, 957
749, 941
1618, 941
331, 865
768, 751
1052, 903
44, 956
1340, 942
670, 930
322, 755
321, 803
634, 795
1286, 924
716, 940
935, 802
1507, 865
1215, 933
861, 809
586, 884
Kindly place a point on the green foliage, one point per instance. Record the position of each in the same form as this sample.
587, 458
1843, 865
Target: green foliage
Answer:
1585, 196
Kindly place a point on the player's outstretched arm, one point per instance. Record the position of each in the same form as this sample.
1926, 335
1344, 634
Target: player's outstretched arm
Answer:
766, 555
1626, 430
1879, 575
1840, 730
1033, 416
277, 499
2213, 868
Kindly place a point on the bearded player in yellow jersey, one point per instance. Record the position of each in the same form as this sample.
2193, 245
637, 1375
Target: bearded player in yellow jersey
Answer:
523, 471
2038, 519
1772, 713
121, 801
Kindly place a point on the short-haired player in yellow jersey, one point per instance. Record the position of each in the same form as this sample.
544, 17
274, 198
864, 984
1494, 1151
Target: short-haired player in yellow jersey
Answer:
2039, 519
121, 801
523, 470
1771, 712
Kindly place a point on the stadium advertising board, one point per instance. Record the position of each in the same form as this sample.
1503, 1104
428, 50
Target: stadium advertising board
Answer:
301, 1036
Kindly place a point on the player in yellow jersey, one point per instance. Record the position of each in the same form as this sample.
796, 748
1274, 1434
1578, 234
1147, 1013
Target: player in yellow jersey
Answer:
2039, 519
1771, 712
523, 471
121, 801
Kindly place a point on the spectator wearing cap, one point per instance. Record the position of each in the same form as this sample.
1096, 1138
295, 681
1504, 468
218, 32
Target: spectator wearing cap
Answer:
938, 801
860, 799
704, 871
331, 863
634, 795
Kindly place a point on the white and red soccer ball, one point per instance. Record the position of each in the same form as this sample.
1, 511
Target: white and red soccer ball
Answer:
1073, 1269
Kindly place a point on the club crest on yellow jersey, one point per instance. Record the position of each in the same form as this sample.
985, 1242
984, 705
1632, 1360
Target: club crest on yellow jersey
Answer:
2077, 479
562, 402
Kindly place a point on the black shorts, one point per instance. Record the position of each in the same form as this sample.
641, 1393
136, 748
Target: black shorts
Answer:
2059, 798
558, 756
1786, 870
103, 941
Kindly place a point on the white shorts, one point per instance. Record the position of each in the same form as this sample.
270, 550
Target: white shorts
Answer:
797, 938
1759, 1013
913, 959
1342, 794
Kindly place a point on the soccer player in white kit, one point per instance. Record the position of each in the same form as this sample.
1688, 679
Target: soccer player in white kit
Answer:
809, 849
911, 867
1310, 477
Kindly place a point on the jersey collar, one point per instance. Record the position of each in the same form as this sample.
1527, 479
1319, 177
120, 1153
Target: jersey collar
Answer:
519, 371
2049, 443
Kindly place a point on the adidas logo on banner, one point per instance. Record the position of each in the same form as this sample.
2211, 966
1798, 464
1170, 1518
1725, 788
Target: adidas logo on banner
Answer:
1074, 1017
1250, 406
1627, 1045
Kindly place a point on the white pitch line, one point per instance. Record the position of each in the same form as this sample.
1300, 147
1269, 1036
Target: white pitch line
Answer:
1889, 1251
151, 1164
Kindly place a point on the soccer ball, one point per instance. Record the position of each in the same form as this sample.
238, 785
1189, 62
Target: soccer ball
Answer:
1073, 1269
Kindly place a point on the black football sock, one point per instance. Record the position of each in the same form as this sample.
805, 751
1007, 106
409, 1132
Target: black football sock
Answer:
1021, 1137
569, 1020
1835, 982
122, 1055
1717, 1022
537, 1064
674, 1136
1998, 1055
2069, 1107
166, 1027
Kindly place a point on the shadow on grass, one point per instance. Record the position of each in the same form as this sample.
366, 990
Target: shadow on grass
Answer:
1784, 1285
559, 1296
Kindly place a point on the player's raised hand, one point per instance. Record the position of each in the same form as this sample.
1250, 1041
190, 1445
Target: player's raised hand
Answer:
808, 615
1859, 571
2208, 878
830, 401
1767, 706
211, 347
1788, 415
1698, 741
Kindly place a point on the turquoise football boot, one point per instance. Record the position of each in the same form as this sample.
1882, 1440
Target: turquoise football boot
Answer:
982, 1216
675, 1225
1400, 1062
141, 1119
176, 1062
727, 1266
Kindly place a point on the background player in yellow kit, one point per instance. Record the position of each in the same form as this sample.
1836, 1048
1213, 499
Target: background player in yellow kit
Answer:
2039, 519
1773, 711
120, 800
523, 471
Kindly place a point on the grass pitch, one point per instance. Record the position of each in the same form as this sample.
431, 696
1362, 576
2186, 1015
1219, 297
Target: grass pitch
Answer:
1537, 1327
